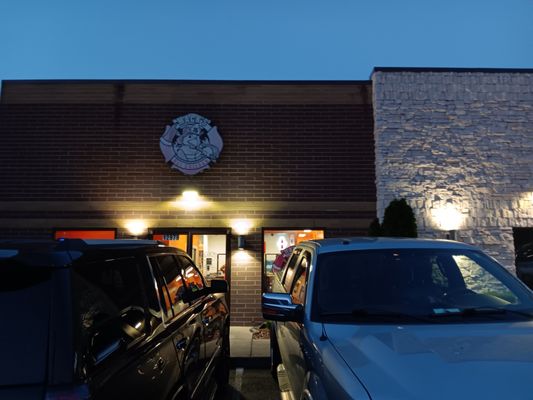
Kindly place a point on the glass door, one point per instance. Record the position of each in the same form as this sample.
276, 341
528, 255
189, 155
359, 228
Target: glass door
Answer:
209, 248
173, 239
209, 254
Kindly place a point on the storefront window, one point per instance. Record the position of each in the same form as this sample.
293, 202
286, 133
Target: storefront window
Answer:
278, 245
85, 234
208, 249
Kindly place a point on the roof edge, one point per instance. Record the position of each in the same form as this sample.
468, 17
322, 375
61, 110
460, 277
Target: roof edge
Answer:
186, 81
453, 69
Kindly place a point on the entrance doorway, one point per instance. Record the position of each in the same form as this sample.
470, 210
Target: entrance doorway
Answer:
209, 248
522, 237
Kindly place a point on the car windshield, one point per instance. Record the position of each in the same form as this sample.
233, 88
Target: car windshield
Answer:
417, 285
24, 308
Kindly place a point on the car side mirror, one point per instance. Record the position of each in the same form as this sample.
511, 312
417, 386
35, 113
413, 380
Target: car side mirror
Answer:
279, 307
218, 286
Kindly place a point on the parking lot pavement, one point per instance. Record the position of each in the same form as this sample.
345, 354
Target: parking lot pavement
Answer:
251, 384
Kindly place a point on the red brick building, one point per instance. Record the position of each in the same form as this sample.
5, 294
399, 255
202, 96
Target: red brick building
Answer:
83, 158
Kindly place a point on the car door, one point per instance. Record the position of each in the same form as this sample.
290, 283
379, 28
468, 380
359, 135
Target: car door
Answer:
182, 322
113, 340
291, 332
211, 312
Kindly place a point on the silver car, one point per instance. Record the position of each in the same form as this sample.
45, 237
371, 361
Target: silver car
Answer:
383, 319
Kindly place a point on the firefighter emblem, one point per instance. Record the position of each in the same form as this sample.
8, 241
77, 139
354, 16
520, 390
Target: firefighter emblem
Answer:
191, 144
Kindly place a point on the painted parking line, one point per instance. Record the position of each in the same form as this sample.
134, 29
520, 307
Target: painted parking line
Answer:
239, 372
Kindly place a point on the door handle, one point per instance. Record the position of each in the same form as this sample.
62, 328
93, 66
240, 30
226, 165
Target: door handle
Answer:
160, 364
181, 344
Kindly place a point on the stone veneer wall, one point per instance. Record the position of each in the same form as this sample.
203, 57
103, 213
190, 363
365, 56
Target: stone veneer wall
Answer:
461, 141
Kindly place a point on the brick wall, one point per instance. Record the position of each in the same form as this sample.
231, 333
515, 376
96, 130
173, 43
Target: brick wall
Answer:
96, 152
87, 155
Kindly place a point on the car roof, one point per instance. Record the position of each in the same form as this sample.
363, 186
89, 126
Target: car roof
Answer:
374, 243
60, 253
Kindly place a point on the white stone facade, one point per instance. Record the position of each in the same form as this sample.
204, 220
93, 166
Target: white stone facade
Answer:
458, 146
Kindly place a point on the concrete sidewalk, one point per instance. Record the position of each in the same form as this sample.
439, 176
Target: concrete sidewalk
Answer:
245, 350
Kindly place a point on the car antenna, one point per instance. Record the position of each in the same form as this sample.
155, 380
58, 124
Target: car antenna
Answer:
323, 336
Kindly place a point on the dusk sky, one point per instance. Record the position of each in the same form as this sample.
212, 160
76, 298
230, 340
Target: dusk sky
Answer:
256, 40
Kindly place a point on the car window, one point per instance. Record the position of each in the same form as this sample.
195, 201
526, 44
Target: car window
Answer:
480, 281
300, 280
109, 305
25, 299
290, 269
173, 281
154, 297
193, 278
415, 281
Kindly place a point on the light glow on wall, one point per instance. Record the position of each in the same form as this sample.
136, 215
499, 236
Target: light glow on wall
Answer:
241, 226
136, 227
448, 217
190, 200
242, 257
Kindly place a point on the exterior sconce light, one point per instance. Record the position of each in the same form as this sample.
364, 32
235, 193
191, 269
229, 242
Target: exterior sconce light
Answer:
190, 200
241, 226
449, 219
136, 227
241, 242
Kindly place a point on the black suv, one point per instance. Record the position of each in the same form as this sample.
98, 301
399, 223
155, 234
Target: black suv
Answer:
123, 319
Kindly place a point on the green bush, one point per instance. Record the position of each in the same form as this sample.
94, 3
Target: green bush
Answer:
375, 228
398, 221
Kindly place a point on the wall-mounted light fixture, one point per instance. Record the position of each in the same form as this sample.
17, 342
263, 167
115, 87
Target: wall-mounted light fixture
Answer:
136, 227
190, 200
449, 219
241, 227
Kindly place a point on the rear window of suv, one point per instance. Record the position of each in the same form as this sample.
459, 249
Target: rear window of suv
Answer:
24, 309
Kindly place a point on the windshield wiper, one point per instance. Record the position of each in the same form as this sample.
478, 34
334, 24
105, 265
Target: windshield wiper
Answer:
477, 311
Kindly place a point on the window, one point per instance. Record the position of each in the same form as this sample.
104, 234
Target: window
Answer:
173, 282
278, 245
172, 239
287, 281
300, 281
193, 278
480, 281
85, 234
110, 306
151, 288
414, 281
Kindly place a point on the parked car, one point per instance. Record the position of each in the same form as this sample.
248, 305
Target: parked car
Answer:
524, 264
123, 319
376, 318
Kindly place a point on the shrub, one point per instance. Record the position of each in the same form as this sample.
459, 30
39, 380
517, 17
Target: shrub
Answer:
398, 221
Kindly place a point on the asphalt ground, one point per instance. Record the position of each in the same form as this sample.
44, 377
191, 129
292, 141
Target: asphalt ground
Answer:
251, 384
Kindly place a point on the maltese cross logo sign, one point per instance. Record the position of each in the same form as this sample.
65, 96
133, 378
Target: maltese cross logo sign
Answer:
191, 144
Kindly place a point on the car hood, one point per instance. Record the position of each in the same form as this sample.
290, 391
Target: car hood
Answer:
441, 361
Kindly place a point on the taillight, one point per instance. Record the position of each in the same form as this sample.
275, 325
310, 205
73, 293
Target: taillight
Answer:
79, 392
